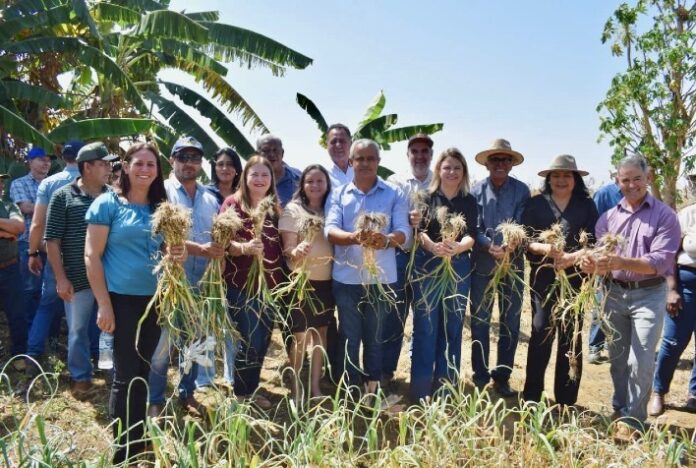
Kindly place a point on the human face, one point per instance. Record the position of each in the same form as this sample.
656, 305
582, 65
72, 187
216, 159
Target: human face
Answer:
499, 166
142, 169
116, 178
420, 155
39, 167
562, 183
339, 146
258, 180
224, 169
273, 151
97, 172
186, 164
633, 183
451, 173
315, 186
365, 163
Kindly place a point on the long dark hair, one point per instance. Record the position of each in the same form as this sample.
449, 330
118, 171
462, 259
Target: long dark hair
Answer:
156, 194
300, 194
580, 189
236, 162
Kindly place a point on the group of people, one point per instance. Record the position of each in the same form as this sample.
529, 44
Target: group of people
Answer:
81, 240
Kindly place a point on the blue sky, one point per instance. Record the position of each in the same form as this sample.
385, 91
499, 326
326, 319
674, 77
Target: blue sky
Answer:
532, 72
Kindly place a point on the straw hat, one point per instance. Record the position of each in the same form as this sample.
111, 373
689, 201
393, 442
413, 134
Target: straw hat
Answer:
564, 162
500, 146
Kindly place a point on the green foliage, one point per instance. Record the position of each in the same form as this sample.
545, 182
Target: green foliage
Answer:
650, 107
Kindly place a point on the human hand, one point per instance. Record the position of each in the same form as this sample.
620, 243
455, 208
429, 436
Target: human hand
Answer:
177, 253
65, 290
414, 218
212, 250
105, 318
300, 252
496, 251
674, 303
253, 247
35, 265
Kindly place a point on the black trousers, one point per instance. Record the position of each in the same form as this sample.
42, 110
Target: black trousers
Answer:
131, 368
539, 353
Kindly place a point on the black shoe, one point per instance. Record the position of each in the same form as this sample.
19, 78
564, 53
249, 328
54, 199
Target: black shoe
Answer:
503, 389
691, 404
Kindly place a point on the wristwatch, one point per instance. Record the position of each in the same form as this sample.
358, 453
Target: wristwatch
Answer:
35, 253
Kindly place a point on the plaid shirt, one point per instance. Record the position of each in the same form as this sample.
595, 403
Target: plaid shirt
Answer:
22, 190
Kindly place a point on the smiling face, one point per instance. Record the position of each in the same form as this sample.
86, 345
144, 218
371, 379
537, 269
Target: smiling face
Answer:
339, 146
420, 154
451, 173
562, 183
633, 182
273, 151
258, 180
141, 170
365, 161
39, 167
224, 169
315, 186
186, 164
499, 166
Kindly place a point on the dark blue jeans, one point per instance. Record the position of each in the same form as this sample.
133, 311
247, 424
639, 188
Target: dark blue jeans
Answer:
510, 307
438, 321
676, 335
360, 321
255, 324
597, 337
50, 309
393, 330
11, 303
31, 283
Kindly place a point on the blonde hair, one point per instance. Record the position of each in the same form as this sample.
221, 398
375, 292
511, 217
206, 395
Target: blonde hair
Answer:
453, 153
242, 194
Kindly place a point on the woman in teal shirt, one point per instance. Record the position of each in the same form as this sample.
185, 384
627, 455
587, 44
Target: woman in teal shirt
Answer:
120, 255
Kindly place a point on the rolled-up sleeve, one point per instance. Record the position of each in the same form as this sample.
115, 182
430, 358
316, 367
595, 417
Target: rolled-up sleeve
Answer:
399, 215
665, 244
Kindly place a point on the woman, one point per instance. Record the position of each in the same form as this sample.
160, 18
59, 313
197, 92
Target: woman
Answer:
251, 311
439, 313
680, 321
565, 200
309, 320
120, 254
225, 173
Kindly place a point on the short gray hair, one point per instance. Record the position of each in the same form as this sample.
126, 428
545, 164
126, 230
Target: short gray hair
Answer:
363, 143
268, 138
634, 160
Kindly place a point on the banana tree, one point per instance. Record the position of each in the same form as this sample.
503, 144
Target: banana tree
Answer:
92, 69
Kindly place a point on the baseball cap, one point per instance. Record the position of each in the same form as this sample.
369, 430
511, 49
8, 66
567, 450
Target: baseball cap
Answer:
93, 152
420, 137
72, 147
187, 142
37, 152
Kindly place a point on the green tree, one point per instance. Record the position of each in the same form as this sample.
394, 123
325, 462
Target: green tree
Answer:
373, 125
110, 54
649, 108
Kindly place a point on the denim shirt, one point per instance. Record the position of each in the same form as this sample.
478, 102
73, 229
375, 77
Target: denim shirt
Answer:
204, 206
287, 185
342, 210
494, 207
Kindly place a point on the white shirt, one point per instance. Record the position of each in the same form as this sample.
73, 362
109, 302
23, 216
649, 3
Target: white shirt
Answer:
338, 177
409, 184
687, 222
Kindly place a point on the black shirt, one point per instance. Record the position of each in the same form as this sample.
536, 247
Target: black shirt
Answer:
460, 204
580, 214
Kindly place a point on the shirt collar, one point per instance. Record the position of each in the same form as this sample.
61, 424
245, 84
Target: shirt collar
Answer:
76, 190
649, 200
379, 185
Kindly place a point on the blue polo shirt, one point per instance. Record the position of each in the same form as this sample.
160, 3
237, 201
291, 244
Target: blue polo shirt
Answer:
288, 184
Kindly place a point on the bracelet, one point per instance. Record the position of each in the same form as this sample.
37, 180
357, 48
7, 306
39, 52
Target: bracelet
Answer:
35, 253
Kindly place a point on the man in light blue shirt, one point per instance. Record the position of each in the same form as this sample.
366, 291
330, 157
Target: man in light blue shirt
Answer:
286, 178
183, 189
358, 290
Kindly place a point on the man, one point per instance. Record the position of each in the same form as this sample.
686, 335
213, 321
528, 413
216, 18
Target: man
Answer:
605, 198
286, 178
23, 193
419, 153
50, 307
183, 189
338, 141
65, 235
636, 288
11, 226
500, 198
361, 309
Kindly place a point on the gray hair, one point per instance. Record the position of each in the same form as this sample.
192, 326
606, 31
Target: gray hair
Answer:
634, 160
268, 138
363, 143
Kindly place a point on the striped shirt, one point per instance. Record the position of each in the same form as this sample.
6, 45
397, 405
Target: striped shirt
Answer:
24, 189
66, 222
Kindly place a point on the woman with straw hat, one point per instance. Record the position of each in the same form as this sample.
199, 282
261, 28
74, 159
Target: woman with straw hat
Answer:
565, 205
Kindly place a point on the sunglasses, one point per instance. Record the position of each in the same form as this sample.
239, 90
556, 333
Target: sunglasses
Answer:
188, 157
495, 160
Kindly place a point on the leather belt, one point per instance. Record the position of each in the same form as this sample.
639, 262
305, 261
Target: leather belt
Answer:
7, 263
646, 283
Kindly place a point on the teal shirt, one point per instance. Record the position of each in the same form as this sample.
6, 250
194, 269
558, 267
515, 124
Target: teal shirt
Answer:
131, 251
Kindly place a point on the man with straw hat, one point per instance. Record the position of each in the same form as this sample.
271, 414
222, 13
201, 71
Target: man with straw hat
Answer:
500, 198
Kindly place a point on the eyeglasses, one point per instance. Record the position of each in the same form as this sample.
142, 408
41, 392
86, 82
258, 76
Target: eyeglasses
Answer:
188, 157
223, 164
495, 160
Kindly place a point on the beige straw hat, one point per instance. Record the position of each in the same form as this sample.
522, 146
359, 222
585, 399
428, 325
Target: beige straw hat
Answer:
500, 146
564, 162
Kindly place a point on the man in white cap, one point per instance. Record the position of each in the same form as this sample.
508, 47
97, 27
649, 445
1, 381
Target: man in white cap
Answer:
500, 198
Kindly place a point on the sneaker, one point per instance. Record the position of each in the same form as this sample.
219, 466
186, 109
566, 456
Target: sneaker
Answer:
594, 357
657, 404
691, 403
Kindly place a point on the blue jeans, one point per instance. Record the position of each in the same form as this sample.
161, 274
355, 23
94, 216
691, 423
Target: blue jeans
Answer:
510, 308
360, 321
676, 336
255, 324
11, 303
157, 378
636, 317
597, 337
50, 307
31, 283
394, 320
83, 334
438, 321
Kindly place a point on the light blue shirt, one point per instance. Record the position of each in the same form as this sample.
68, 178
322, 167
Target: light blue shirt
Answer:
338, 177
607, 197
131, 251
410, 185
287, 185
204, 206
49, 185
342, 210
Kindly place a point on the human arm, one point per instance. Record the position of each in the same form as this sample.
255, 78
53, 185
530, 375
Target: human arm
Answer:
95, 244
12, 226
64, 287
674, 299
208, 249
